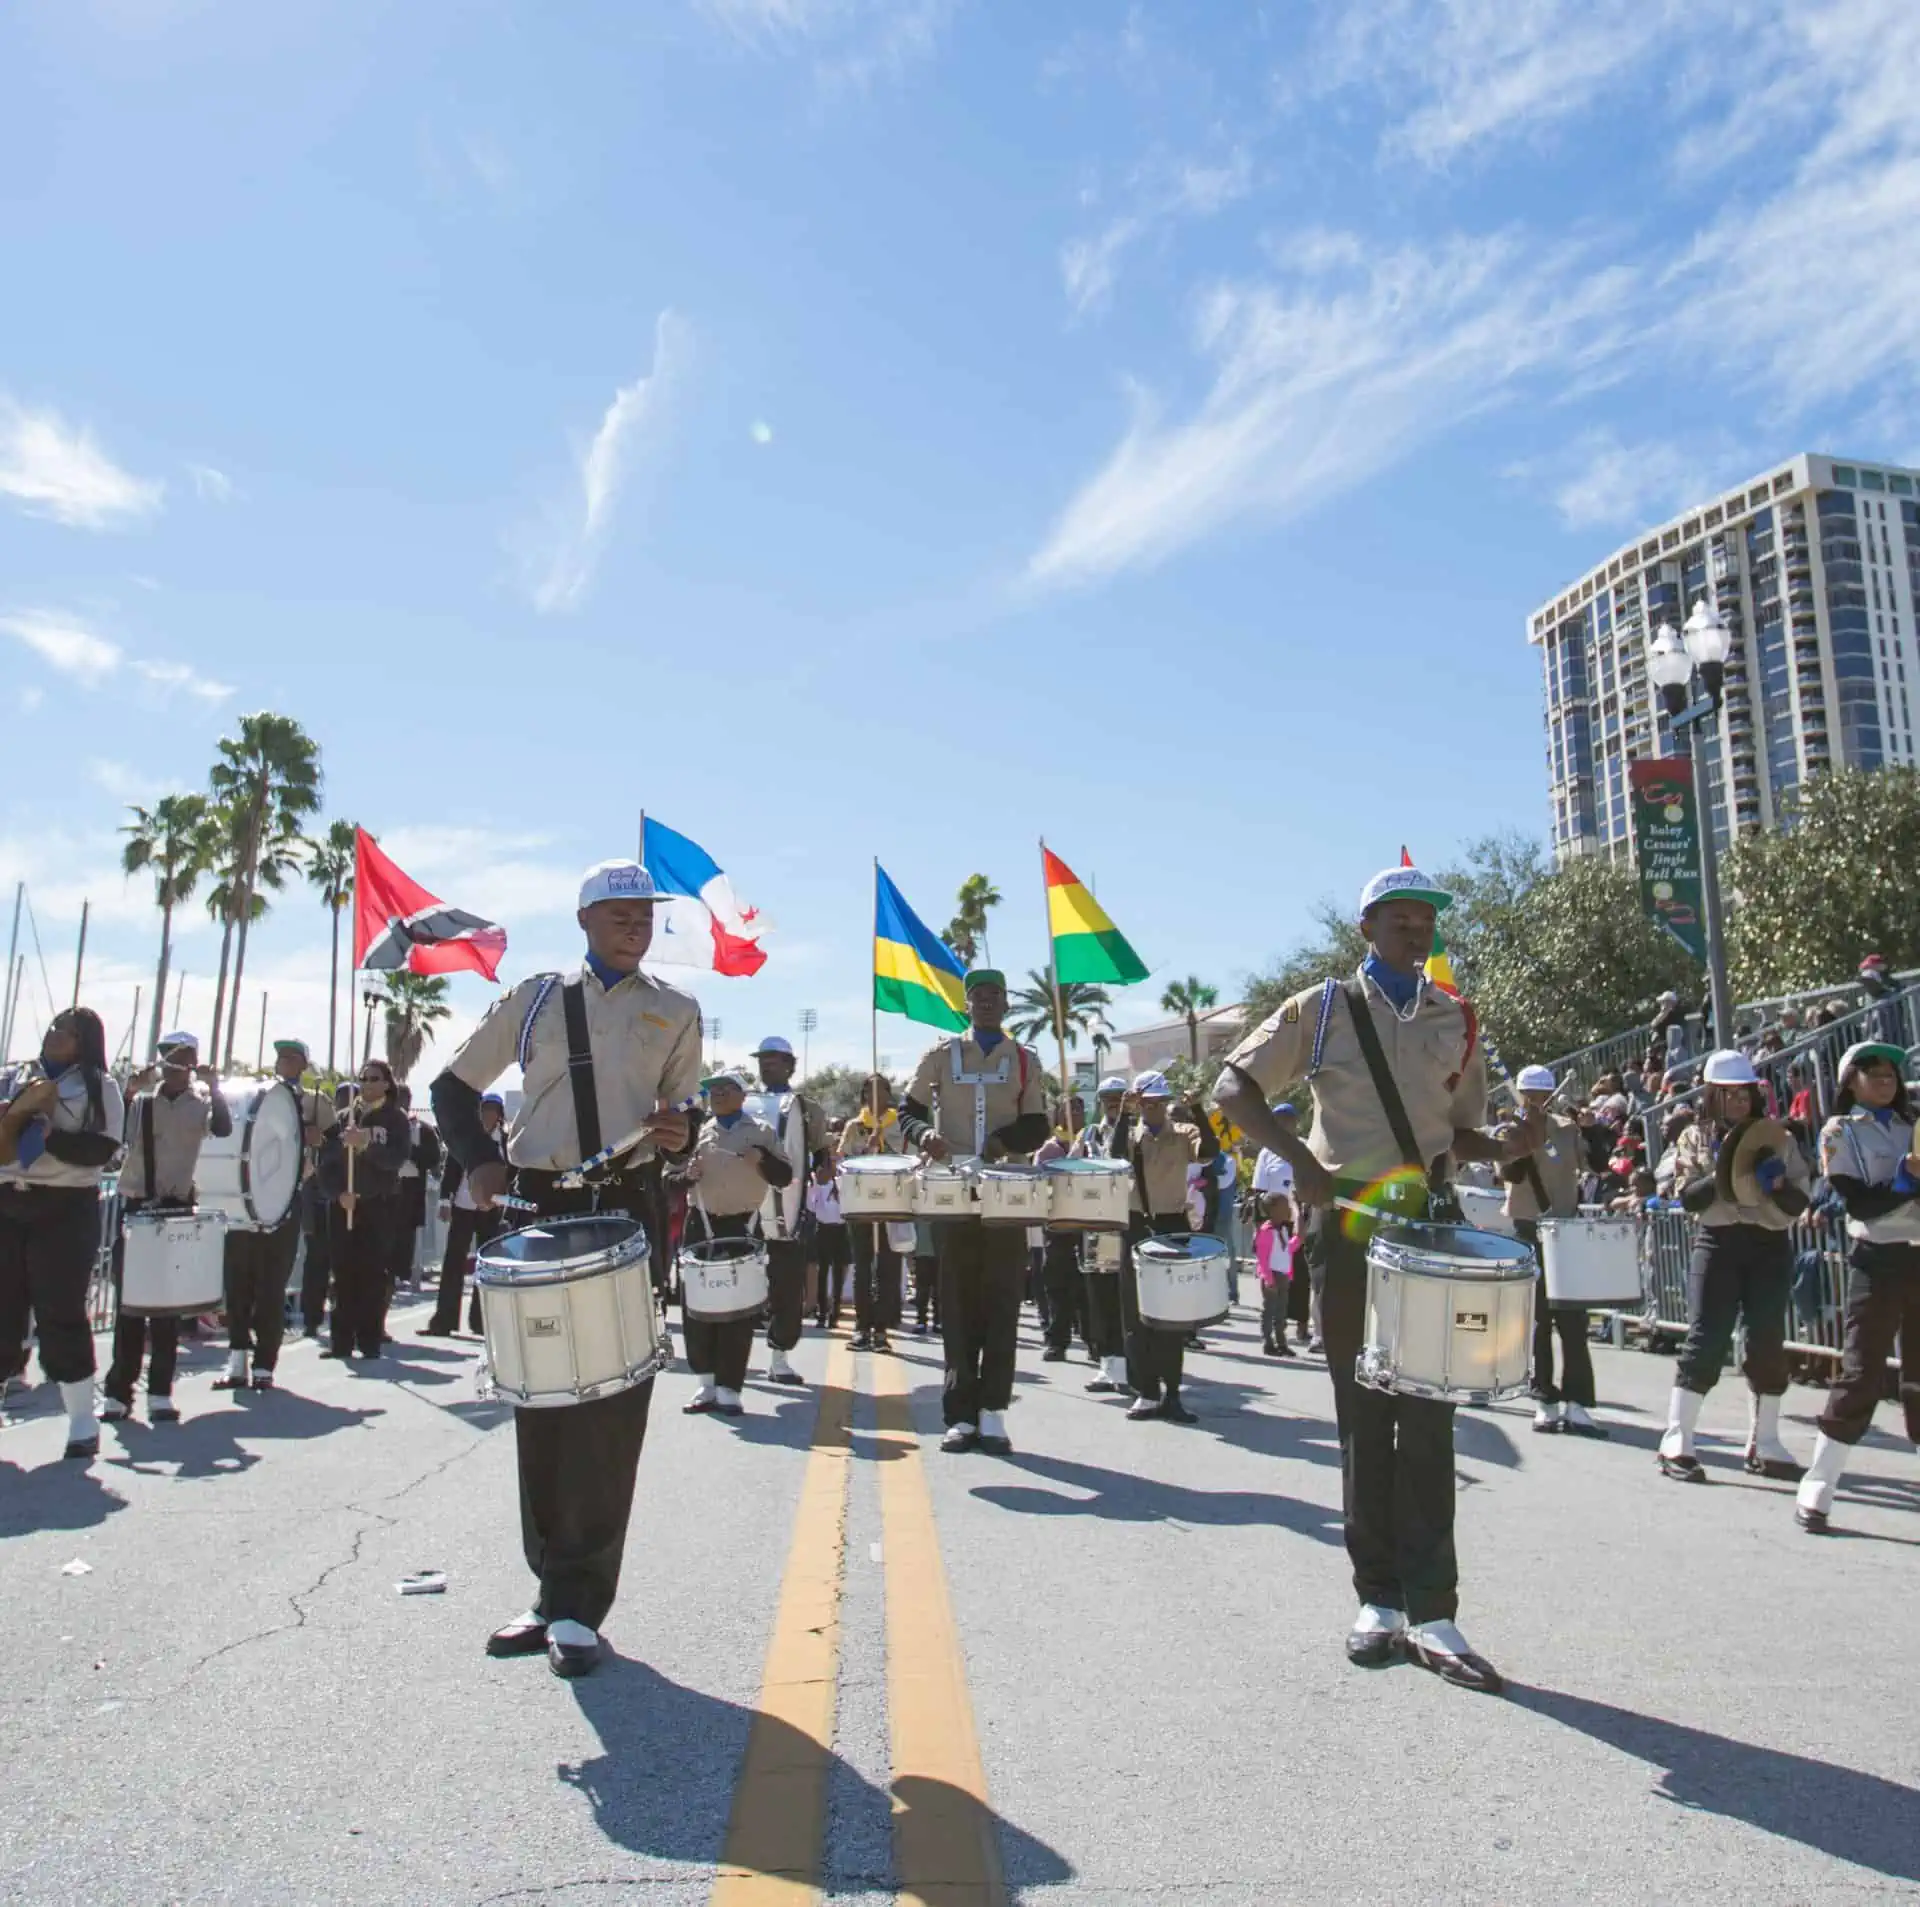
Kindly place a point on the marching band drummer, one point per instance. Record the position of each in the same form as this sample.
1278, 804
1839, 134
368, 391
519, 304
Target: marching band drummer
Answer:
736, 1159
611, 1052
58, 1133
1396, 1452
1546, 1184
1867, 1151
1106, 1334
1745, 1196
979, 1094
873, 1130
167, 1122
787, 1257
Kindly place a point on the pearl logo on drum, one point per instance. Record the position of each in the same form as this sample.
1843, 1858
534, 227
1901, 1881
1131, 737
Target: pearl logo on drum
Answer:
1469, 1320
544, 1327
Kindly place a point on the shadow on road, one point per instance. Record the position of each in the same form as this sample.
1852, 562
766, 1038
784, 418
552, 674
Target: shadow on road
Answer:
663, 1785
1124, 1497
210, 1446
1837, 1811
53, 1496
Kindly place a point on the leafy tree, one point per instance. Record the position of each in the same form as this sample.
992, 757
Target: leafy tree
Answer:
174, 840
266, 781
837, 1088
330, 865
966, 932
1189, 998
1835, 883
415, 1004
1082, 1009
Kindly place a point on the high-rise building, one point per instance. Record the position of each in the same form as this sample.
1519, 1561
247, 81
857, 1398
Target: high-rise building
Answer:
1816, 567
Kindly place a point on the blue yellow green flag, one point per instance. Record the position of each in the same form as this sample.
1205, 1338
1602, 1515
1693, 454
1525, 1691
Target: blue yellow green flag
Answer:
914, 971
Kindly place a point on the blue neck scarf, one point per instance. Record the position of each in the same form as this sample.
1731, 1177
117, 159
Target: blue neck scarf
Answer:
727, 1120
609, 977
1882, 1113
1400, 988
986, 1041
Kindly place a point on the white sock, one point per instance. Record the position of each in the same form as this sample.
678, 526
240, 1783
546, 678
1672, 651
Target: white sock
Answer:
705, 1394
78, 1398
777, 1363
571, 1635
237, 1364
730, 1398
993, 1423
1115, 1369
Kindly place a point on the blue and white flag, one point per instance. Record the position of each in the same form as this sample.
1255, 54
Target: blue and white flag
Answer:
698, 921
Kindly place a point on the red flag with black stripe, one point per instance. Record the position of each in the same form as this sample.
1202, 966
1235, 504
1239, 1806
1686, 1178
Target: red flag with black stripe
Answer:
398, 925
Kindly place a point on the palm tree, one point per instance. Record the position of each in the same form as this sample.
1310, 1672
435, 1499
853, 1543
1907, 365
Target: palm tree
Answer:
267, 779
967, 931
1082, 1010
1189, 998
172, 837
330, 865
416, 1003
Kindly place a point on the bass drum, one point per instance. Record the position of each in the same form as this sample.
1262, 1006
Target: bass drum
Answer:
253, 1174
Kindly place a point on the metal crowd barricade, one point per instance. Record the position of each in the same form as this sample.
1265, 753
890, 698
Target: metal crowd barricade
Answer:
103, 1302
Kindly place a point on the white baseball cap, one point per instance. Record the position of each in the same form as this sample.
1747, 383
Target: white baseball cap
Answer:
773, 1043
170, 1042
1535, 1079
1152, 1086
1113, 1083
615, 881
1404, 884
1729, 1067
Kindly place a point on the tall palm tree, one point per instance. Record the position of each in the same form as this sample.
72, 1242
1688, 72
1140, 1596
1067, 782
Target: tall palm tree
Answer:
174, 840
416, 1004
1189, 998
1082, 1009
967, 931
267, 779
330, 864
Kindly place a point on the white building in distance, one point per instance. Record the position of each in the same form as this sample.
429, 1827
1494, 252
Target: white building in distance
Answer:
1816, 567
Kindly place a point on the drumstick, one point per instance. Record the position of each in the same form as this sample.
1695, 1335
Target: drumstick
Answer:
572, 1181
515, 1204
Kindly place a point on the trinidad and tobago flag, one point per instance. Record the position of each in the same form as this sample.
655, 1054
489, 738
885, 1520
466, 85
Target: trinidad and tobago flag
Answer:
398, 924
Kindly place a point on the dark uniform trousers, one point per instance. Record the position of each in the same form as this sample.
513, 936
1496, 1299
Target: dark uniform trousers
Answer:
1570, 1321
786, 1292
49, 1238
876, 1279
718, 1352
1737, 1270
1156, 1360
135, 1336
832, 1251
1106, 1332
359, 1253
578, 1462
1396, 1458
258, 1265
1883, 1301
1065, 1288
316, 1268
467, 1232
983, 1269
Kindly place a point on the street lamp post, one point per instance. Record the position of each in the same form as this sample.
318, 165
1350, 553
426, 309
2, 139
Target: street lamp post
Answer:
1689, 669
809, 1020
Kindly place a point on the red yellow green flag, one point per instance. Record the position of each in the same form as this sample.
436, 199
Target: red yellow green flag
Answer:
1087, 947
1439, 967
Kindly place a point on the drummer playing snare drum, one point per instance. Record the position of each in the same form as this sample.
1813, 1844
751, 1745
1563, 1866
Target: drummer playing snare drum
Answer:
1396, 1452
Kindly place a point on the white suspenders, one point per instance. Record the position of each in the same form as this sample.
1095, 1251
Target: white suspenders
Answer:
979, 1082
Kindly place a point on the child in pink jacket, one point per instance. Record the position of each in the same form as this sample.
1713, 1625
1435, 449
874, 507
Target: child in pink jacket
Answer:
1276, 1247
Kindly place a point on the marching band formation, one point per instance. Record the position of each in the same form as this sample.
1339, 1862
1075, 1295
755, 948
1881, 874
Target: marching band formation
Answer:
624, 1175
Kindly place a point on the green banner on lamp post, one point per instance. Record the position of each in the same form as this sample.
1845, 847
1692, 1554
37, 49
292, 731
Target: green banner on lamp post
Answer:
1666, 845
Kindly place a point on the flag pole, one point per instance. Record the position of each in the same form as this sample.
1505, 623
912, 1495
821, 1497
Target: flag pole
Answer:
1059, 1005
873, 994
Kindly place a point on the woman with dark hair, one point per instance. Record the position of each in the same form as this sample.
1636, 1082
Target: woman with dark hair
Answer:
875, 1128
365, 1207
1867, 1151
58, 1132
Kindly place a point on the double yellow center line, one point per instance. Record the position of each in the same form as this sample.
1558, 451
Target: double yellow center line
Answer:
945, 1850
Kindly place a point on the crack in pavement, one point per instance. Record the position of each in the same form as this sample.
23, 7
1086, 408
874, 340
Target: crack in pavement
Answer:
545, 1890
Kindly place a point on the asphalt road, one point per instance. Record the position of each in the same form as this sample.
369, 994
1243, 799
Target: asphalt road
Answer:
1105, 1670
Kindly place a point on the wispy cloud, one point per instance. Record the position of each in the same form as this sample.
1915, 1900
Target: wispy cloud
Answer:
1160, 193
51, 468
855, 44
1601, 482
560, 558
171, 677
65, 643
211, 485
1323, 378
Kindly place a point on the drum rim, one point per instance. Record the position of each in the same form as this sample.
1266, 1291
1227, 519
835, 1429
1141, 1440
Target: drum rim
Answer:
873, 1163
560, 1271
696, 1248
1089, 1168
1218, 1246
1409, 1261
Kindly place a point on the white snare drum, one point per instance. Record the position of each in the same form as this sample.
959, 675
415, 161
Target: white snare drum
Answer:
1181, 1278
253, 1173
1089, 1195
1101, 1252
1592, 1261
1449, 1314
173, 1264
1484, 1207
569, 1312
722, 1279
945, 1190
879, 1188
1012, 1194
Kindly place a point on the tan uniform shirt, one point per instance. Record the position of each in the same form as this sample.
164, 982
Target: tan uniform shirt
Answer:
858, 1139
1162, 1158
179, 1126
316, 1109
730, 1180
1442, 1086
1002, 1084
1557, 1160
1695, 1157
645, 1038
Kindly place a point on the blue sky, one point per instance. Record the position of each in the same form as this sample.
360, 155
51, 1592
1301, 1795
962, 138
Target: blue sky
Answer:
850, 428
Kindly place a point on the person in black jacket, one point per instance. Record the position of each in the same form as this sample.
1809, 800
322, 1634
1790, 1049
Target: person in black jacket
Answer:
364, 1213
469, 1230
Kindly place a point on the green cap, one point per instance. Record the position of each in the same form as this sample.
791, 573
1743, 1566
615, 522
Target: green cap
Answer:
985, 977
1864, 1050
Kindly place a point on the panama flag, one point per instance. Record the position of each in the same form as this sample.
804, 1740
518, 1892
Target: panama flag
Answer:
697, 919
398, 925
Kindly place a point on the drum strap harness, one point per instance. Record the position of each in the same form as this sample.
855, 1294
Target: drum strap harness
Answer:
1530, 1167
1391, 1103
146, 1145
586, 1101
